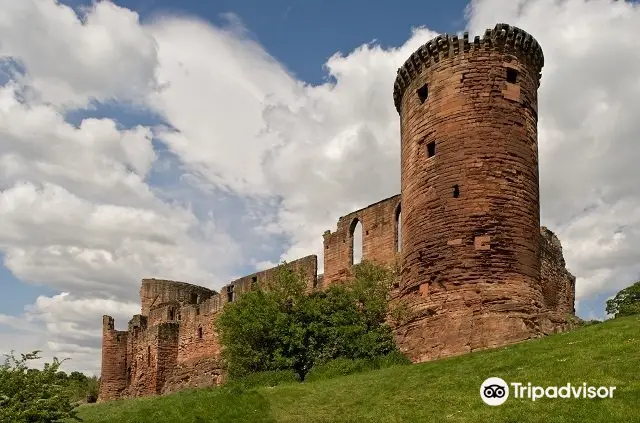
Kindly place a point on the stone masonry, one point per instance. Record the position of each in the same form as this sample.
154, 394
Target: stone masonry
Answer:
476, 270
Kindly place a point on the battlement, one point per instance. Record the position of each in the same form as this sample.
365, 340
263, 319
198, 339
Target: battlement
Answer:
503, 37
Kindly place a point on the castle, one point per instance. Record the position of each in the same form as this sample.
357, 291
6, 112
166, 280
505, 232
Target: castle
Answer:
476, 269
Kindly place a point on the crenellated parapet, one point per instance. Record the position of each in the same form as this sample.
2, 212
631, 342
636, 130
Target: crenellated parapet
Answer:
504, 38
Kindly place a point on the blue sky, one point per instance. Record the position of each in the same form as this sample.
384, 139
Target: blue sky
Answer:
301, 35
202, 140
304, 34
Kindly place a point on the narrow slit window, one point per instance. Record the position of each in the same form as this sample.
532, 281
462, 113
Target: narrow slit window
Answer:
197, 311
423, 93
431, 149
199, 333
456, 191
148, 356
512, 75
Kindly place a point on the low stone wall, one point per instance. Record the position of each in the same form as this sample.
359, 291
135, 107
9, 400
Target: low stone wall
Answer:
194, 374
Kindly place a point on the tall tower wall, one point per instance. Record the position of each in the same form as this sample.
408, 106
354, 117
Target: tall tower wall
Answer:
113, 374
470, 193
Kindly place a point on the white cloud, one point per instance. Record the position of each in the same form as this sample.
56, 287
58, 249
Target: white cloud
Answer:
216, 84
277, 156
66, 327
70, 59
77, 212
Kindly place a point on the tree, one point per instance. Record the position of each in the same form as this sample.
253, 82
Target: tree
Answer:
31, 395
626, 302
281, 326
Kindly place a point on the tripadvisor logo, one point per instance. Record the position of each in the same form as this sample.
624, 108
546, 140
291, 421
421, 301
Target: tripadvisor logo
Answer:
495, 391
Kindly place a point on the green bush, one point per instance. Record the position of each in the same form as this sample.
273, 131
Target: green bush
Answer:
626, 302
282, 327
32, 395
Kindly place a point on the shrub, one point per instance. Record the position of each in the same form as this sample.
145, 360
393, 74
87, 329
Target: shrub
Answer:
31, 395
626, 302
282, 327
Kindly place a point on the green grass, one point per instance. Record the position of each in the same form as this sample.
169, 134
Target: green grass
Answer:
606, 354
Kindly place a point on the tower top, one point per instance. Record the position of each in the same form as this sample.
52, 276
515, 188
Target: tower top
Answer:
503, 37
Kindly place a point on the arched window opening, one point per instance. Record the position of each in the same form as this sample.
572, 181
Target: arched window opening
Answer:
171, 314
356, 241
398, 225
199, 333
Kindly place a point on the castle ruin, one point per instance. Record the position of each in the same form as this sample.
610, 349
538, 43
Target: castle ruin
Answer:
476, 269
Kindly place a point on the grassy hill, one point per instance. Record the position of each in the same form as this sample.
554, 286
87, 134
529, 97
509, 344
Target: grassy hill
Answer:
606, 354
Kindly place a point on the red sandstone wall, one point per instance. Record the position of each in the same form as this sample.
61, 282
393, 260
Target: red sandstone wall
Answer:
163, 349
154, 292
113, 375
197, 338
167, 353
143, 355
379, 237
558, 284
471, 264
193, 374
165, 312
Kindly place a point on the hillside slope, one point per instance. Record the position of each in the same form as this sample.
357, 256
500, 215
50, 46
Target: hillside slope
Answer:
606, 354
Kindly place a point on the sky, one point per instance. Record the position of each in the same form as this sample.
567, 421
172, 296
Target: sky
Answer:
202, 141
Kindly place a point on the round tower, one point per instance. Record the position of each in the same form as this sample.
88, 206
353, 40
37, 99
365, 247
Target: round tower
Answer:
470, 193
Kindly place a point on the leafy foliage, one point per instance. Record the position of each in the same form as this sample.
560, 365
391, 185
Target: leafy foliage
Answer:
626, 302
283, 327
34, 396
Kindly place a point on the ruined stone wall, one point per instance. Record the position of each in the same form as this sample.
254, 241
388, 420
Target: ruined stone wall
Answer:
198, 338
113, 374
307, 266
470, 195
558, 284
139, 369
379, 239
173, 344
194, 374
154, 292
166, 353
